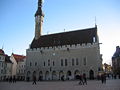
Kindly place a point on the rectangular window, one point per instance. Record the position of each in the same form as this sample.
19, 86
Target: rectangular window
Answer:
61, 62
65, 62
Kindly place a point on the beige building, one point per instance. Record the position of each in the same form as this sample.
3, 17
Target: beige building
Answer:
18, 67
49, 57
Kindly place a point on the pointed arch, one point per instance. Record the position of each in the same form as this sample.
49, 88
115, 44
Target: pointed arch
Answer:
54, 75
91, 74
47, 75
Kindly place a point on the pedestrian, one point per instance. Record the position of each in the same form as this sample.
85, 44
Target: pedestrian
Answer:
81, 80
10, 79
62, 78
14, 79
34, 79
102, 78
84, 79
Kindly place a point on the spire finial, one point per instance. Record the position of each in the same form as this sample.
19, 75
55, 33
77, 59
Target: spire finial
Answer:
39, 10
39, 3
95, 22
2, 46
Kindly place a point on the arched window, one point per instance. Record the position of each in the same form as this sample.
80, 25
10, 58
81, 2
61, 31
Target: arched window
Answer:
61, 62
35, 63
84, 61
30, 64
48, 62
44, 63
72, 62
53, 63
77, 63
65, 62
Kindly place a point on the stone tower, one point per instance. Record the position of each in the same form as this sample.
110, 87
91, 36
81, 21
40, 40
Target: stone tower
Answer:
38, 20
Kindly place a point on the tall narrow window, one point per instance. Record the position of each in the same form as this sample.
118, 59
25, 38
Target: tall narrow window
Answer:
44, 63
72, 62
93, 39
84, 60
61, 62
30, 64
77, 63
65, 62
35, 63
53, 63
48, 62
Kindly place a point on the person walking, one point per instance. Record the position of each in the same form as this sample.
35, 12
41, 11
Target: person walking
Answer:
62, 78
10, 79
34, 79
14, 79
81, 80
102, 78
84, 79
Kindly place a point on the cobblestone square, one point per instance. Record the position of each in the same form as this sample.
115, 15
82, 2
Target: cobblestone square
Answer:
59, 85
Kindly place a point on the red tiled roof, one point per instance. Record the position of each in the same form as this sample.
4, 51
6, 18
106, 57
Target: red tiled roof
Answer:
18, 57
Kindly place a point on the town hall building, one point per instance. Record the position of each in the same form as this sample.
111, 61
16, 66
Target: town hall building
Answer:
67, 54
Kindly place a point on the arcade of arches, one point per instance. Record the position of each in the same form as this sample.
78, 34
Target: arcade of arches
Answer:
55, 75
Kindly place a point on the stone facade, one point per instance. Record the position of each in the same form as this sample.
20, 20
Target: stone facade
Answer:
51, 63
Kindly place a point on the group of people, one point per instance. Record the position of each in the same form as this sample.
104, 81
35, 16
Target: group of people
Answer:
103, 78
12, 79
83, 79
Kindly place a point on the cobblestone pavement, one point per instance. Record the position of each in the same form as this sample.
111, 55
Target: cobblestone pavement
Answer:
59, 85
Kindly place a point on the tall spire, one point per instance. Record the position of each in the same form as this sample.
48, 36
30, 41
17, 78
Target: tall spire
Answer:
38, 20
39, 10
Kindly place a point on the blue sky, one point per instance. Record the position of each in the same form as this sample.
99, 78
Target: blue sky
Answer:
17, 22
